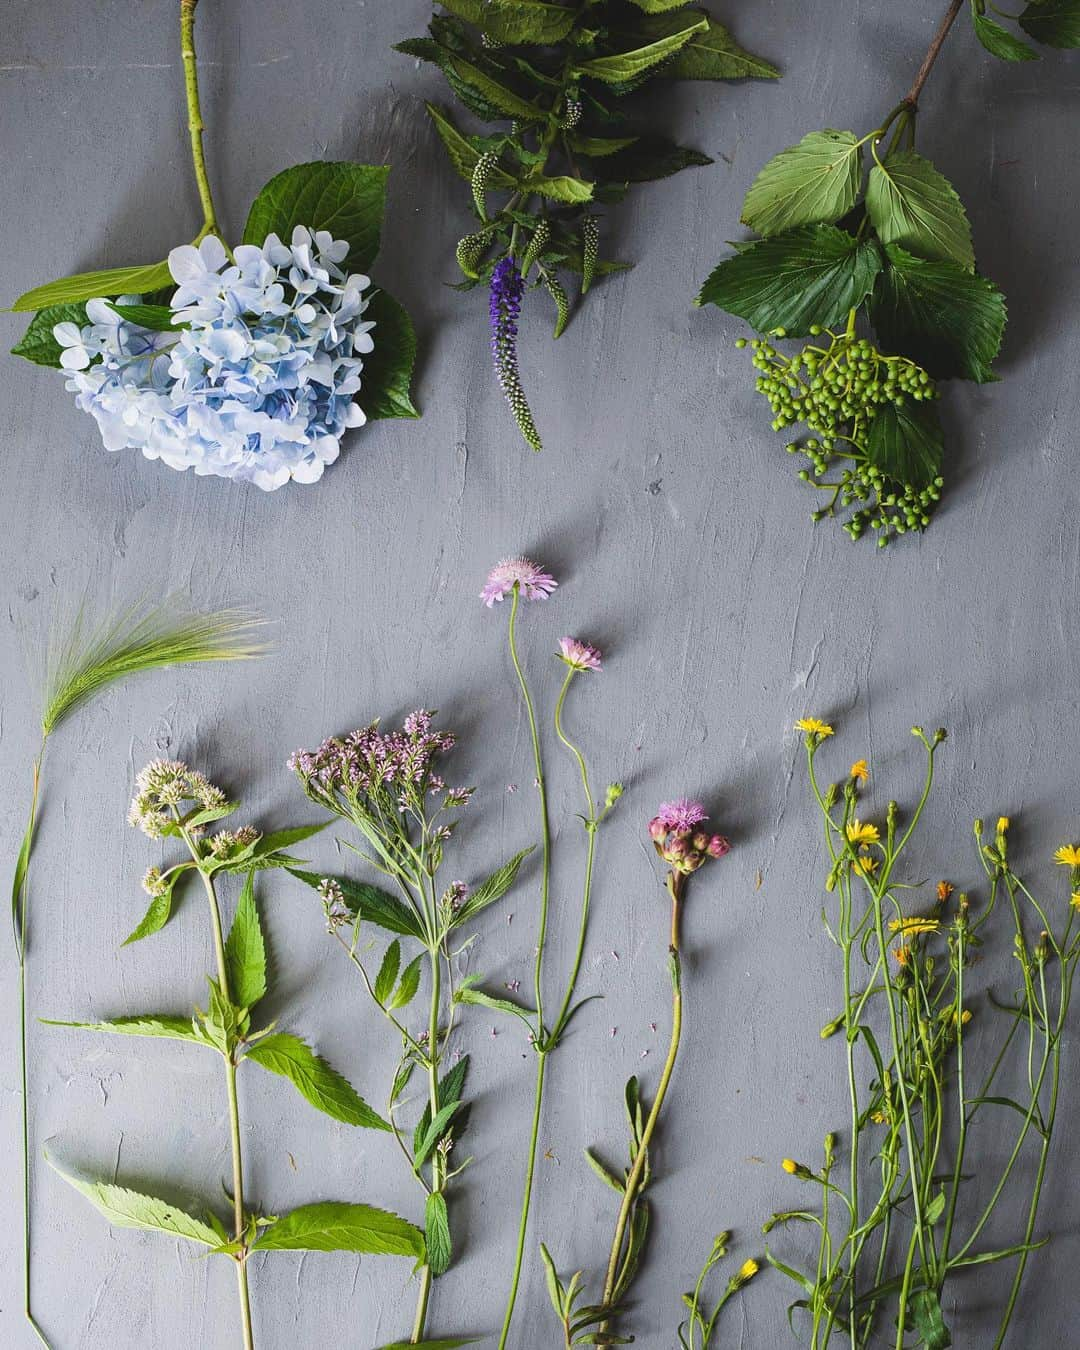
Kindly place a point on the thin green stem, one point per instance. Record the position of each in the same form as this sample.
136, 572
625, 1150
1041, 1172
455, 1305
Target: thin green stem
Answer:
196, 126
424, 1295
523, 1223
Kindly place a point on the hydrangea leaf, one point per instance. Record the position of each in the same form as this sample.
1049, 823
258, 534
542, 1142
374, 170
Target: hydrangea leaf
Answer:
387, 373
905, 442
158, 318
37, 344
245, 950
949, 321
517, 22
810, 276
333, 1226
625, 66
711, 53
1000, 42
92, 285
437, 1233
650, 158
314, 1079
814, 181
912, 204
1054, 22
132, 1209
345, 198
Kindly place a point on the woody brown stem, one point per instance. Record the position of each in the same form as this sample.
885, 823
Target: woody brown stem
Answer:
933, 51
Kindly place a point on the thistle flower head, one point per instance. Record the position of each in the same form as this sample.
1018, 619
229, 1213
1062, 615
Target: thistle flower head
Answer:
678, 840
579, 655
507, 289
532, 582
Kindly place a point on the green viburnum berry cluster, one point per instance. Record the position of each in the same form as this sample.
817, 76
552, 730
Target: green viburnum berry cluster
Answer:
558, 74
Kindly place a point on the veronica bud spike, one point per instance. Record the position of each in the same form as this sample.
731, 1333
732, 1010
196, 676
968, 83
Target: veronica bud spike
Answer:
536, 246
482, 174
590, 251
507, 289
562, 304
469, 252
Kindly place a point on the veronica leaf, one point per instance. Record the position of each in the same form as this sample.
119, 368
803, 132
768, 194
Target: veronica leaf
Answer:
517, 21
346, 199
814, 181
505, 100
910, 203
650, 158
710, 54
462, 155
947, 320
369, 904
144, 1024
621, 67
812, 275
905, 442
1000, 42
1055, 22
597, 147
132, 1209
245, 950
93, 285
494, 888
38, 344
437, 1233
333, 1226
314, 1079
388, 369
563, 188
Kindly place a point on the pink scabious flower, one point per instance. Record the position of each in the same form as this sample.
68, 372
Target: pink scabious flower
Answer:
677, 839
579, 655
532, 581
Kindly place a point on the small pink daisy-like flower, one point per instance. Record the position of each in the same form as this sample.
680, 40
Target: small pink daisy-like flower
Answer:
682, 814
532, 581
578, 655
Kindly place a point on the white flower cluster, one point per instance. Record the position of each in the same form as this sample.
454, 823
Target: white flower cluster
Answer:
257, 380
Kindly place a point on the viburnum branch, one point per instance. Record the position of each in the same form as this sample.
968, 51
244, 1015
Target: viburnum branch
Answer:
933, 52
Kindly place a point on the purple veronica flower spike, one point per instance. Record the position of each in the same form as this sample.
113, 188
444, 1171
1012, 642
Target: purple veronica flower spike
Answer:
507, 288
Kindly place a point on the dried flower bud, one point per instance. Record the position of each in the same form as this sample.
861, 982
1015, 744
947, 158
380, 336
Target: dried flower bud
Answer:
334, 904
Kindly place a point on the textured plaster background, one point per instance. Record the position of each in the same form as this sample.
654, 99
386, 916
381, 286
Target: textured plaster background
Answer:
683, 544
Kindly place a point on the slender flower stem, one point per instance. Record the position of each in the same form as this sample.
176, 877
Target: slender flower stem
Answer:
424, 1296
530, 1171
22, 900
633, 1181
196, 125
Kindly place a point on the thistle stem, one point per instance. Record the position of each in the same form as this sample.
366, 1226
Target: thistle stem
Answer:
196, 126
633, 1181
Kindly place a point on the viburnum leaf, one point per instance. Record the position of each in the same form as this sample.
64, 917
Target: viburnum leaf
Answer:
1055, 22
814, 181
810, 276
1000, 42
462, 155
905, 442
949, 321
910, 203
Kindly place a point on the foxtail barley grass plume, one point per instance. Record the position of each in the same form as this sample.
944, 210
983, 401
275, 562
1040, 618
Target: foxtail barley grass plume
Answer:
84, 661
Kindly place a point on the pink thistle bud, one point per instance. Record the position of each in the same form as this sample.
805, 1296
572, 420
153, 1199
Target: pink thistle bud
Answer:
718, 846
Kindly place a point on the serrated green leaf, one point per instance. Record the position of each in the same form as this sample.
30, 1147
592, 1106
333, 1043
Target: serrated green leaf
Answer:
622, 67
346, 199
906, 443
442, 1344
95, 285
1054, 22
711, 53
467, 994
812, 275
813, 182
37, 344
451, 1087
369, 904
561, 188
388, 972
142, 1024
949, 321
598, 147
516, 22
245, 950
159, 910
497, 94
409, 983
911, 204
388, 370
463, 156
1000, 42
492, 889
333, 1226
437, 1233
133, 1209
650, 158
157, 318
434, 1132
314, 1079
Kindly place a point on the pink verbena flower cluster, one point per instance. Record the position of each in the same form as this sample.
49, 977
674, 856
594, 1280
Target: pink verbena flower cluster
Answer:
371, 770
679, 840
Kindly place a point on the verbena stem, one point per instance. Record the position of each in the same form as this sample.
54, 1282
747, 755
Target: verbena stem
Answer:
196, 126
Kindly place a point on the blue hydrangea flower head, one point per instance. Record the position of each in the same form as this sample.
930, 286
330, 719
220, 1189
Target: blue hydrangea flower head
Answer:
259, 379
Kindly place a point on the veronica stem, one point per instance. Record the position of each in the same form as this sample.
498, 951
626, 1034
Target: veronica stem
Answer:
633, 1181
196, 125
22, 899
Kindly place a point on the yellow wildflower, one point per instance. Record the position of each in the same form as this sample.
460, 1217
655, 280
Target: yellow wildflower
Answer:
913, 926
860, 771
745, 1273
902, 953
879, 1117
865, 864
859, 833
944, 890
1068, 855
790, 1166
813, 726
1074, 899
1003, 824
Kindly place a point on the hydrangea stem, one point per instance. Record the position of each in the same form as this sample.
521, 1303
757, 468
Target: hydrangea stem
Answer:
196, 125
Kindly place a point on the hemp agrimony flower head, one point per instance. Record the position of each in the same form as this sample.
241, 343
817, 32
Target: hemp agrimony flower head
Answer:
162, 788
679, 840
555, 77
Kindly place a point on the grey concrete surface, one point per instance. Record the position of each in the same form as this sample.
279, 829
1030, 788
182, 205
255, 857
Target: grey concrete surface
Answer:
683, 544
